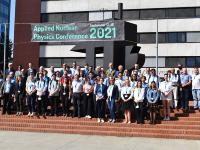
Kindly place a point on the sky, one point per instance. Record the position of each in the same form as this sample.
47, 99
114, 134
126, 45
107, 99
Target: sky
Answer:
12, 20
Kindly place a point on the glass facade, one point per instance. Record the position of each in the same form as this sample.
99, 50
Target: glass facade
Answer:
4, 14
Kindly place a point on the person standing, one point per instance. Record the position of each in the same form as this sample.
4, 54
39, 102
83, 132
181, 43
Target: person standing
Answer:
186, 82
19, 94
196, 88
31, 95
101, 94
166, 96
53, 89
65, 94
88, 98
41, 87
127, 97
153, 96
8, 91
77, 88
139, 96
113, 95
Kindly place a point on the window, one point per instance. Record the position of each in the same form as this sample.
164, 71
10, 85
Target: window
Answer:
193, 37
181, 37
197, 12
79, 61
93, 16
190, 62
151, 14
51, 18
172, 37
130, 14
180, 12
197, 61
147, 38
162, 38
75, 17
47, 62
174, 61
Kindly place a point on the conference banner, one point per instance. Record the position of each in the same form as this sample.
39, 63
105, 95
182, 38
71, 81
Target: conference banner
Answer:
80, 31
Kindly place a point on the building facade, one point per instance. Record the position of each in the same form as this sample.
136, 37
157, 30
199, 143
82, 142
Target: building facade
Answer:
4, 14
178, 27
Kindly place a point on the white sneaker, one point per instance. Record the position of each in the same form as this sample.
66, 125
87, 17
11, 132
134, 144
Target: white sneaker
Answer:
110, 120
168, 119
102, 121
29, 114
113, 121
89, 117
98, 120
33, 114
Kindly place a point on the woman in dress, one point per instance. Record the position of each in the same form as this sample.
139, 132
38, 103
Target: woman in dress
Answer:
127, 97
153, 96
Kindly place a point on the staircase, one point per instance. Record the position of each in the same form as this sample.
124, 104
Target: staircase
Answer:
182, 126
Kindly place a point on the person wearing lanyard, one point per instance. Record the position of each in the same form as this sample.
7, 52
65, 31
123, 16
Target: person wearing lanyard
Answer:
101, 94
88, 98
174, 79
196, 88
65, 93
77, 88
153, 77
166, 96
19, 94
186, 82
113, 94
7, 90
53, 89
139, 102
127, 97
31, 96
41, 87
153, 96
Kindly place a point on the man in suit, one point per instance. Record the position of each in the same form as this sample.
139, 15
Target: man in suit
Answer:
101, 94
7, 90
113, 94
110, 72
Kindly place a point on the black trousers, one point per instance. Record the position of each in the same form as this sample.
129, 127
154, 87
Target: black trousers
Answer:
31, 100
65, 103
87, 103
77, 104
41, 105
54, 101
100, 107
139, 112
19, 102
7, 101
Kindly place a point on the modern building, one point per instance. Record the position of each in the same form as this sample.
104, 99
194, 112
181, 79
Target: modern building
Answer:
4, 14
178, 27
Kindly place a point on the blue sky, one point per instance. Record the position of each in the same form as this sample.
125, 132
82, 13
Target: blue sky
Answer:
12, 20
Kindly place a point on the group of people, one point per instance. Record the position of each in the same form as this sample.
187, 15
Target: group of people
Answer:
87, 92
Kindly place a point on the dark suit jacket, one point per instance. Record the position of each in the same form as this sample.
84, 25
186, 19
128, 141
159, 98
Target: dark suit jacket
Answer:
115, 92
104, 90
12, 88
20, 88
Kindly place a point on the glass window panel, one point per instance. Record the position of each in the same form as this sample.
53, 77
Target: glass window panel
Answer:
51, 18
55, 62
197, 61
130, 14
197, 12
190, 62
75, 17
174, 61
147, 38
93, 16
172, 37
79, 61
181, 37
156, 13
162, 38
180, 12
193, 37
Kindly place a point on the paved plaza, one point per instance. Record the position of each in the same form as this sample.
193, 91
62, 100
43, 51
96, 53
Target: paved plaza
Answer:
48, 141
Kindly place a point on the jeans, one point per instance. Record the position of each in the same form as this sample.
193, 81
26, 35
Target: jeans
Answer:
77, 104
111, 107
31, 103
88, 100
185, 95
139, 113
7, 101
196, 98
19, 102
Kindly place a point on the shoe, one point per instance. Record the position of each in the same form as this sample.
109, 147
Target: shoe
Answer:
33, 114
98, 120
124, 121
129, 122
29, 114
20, 113
113, 121
17, 114
89, 117
110, 120
168, 118
165, 118
86, 116
102, 121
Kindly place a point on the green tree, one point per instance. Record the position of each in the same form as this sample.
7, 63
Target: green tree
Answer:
9, 46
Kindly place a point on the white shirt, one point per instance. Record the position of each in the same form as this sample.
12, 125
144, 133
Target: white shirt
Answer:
127, 90
7, 87
166, 86
77, 86
139, 94
174, 79
53, 87
110, 90
196, 81
30, 86
119, 83
41, 87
